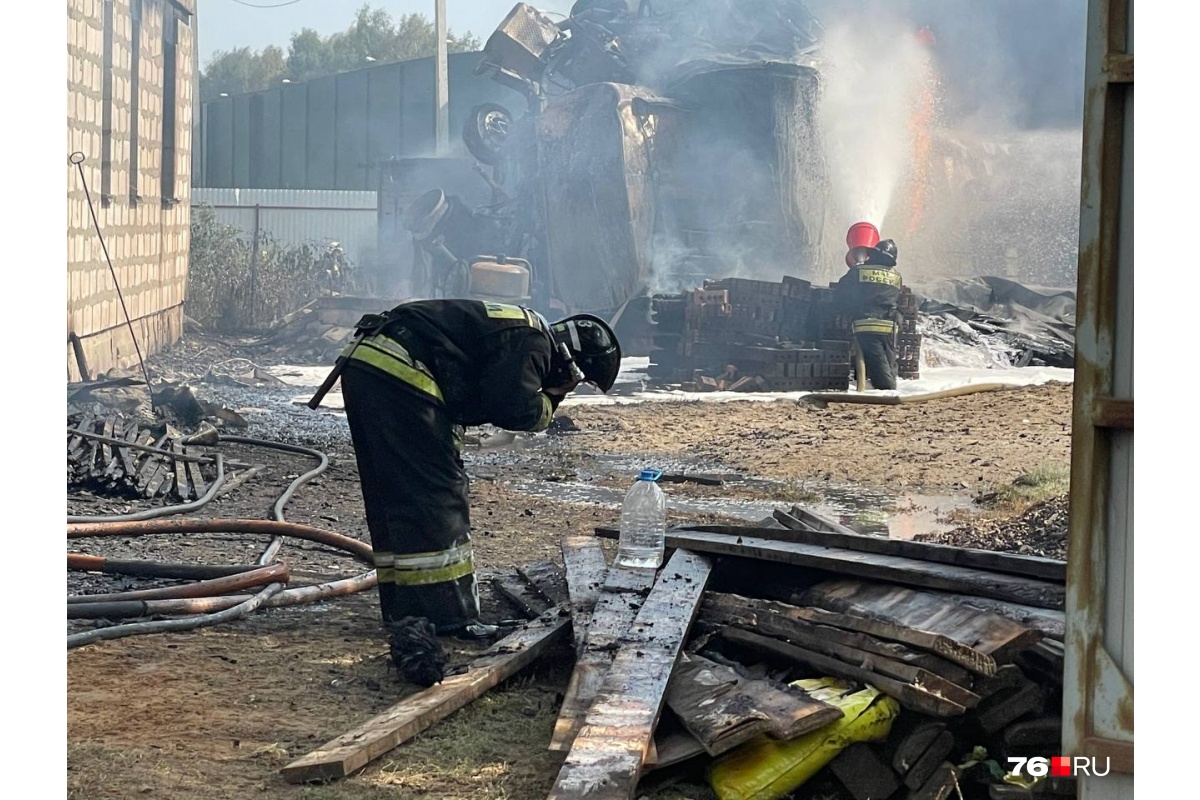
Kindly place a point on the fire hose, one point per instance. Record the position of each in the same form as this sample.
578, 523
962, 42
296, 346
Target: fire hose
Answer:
897, 400
204, 609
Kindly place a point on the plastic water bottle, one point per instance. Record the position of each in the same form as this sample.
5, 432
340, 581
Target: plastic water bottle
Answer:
643, 523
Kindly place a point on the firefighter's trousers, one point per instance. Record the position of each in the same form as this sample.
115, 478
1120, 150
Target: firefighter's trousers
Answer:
415, 491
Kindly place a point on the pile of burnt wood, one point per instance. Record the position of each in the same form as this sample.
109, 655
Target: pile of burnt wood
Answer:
762, 659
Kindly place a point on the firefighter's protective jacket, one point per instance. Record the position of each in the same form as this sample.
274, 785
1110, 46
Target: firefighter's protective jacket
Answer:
483, 362
869, 294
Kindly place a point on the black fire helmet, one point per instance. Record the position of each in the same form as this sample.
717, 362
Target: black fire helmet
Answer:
594, 347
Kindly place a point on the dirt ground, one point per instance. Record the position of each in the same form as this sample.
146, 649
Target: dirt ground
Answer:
215, 712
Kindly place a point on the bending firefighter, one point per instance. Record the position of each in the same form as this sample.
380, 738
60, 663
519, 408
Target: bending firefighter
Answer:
868, 294
411, 380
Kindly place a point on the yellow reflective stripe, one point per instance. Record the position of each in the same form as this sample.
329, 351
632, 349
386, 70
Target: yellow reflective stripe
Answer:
887, 276
433, 558
505, 311
874, 326
370, 352
424, 577
547, 414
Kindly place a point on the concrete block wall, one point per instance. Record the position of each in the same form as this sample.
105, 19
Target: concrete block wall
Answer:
146, 234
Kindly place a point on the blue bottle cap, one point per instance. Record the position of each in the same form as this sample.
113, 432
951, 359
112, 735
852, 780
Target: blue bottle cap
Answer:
649, 475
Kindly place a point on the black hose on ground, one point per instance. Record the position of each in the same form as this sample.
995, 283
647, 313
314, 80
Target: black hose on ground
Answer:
360, 549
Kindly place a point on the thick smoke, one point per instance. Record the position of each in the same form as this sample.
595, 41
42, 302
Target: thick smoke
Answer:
873, 72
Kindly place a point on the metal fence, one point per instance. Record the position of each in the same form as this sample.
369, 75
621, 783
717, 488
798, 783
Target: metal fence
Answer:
301, 216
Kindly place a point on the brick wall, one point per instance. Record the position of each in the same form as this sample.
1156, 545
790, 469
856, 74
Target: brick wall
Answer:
146, 234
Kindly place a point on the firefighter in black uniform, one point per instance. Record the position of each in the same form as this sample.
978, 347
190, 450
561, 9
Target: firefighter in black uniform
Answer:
411, 380
868, 293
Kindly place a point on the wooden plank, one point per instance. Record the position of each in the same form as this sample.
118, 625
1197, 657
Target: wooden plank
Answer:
620, 599
179, 481
355, 749
523, 596
953, 651
128, 462
996, 636
825, 641
105, 448
819, 522
585, 566
1008, 706
607, 755
1046, 569
789, 618
194, 476
722, 709
911, 697
150, 475
928, 762
1051, 623
908, 743
876, 566
548, 578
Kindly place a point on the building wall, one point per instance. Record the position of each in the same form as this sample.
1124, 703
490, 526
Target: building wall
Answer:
139, 189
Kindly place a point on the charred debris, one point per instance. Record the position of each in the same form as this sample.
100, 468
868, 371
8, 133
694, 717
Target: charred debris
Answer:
767, 658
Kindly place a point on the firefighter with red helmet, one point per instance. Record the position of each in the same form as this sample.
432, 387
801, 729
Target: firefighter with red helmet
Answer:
869, 295
411, 380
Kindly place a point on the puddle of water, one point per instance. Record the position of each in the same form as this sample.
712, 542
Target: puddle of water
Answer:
862, 509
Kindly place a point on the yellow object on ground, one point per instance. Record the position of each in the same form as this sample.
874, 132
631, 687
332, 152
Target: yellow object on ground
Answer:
767, 769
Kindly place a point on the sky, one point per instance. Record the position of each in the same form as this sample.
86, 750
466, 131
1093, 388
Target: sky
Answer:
230, 24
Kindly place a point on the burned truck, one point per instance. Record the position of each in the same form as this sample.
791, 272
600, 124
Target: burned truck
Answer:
663, 144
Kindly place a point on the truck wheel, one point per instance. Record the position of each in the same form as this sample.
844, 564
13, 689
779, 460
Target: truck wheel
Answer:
486, 132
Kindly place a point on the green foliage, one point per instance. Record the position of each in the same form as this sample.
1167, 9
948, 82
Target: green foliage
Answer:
375, 34
232, 291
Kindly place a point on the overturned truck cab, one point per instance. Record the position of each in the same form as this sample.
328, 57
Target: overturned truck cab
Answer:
632, 171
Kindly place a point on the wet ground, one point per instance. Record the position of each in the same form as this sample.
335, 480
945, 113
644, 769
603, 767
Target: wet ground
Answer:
215, 712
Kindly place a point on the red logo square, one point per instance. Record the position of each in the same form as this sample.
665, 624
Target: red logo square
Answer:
1060, 766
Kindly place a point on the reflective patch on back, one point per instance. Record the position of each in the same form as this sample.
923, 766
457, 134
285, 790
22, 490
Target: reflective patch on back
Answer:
884, 276
505, 311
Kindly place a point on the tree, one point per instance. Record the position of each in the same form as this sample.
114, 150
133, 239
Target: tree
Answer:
374, 35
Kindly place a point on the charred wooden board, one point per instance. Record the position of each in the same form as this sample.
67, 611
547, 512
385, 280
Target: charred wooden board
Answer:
608, 754
355, 749
928, 762
944, 646
722, 709
797, 530
985, 632
195, 478
908, 742
794, 618
875, 566
547, 577
524, 597
826, 641
585, 566
864, 773
620, 599
909, 696
1051, 622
